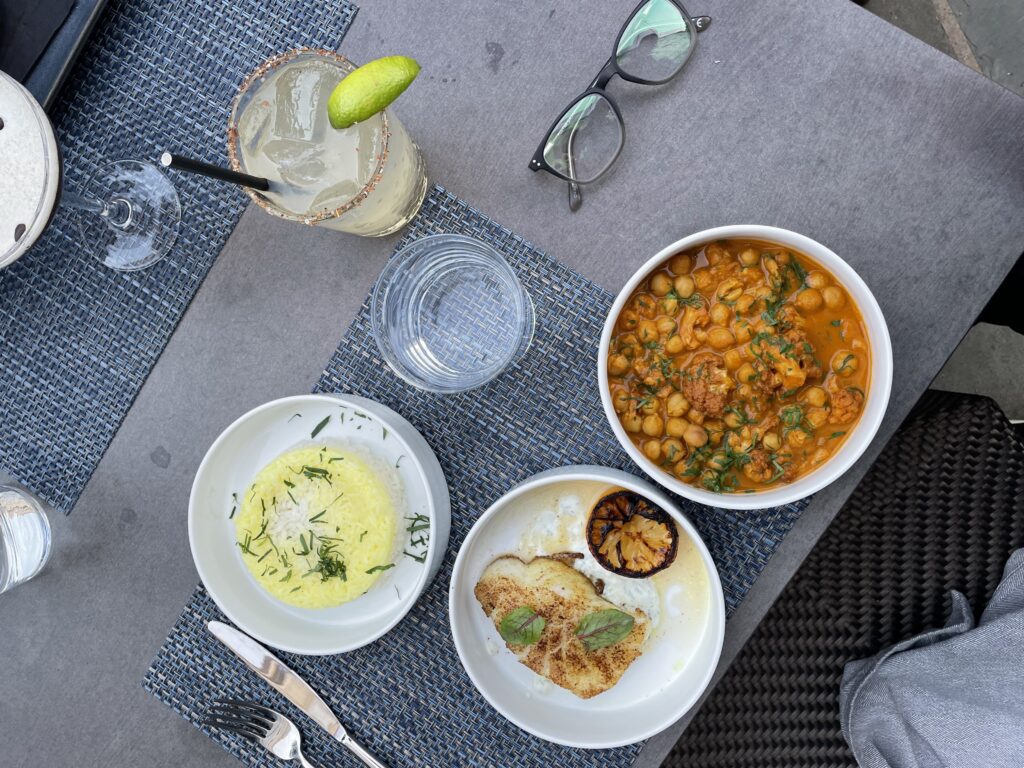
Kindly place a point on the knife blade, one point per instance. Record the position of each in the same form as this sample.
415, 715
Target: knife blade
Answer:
278, 675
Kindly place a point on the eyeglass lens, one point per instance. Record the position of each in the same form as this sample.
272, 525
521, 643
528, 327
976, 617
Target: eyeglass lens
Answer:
656, 42
587, 139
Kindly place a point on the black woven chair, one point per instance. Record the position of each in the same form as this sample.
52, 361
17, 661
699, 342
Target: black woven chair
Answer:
942, 508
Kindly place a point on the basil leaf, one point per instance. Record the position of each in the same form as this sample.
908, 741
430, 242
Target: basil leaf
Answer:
603, 628
521, 626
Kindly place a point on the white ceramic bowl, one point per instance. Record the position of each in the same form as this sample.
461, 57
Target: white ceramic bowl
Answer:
656, 690
877, 395
252, 442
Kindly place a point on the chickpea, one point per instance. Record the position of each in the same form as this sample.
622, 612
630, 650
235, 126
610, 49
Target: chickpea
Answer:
681, 264
674, 345
715, 252
749, 257
652, 450
746, 374
733, 359
697, 417
676, 404
834, 297
681, 468
796, 438
628, 319
650, 405
661, 284
653, 425
695, 436
730, 290
645, 306
676, 427
816, 280
743, 332
845, 363
720, 338
647, 331
784, 258
745, 392
717, 462
815, 396
618, 365
665, 325
632, 421
673, 449
685, 286
771, 441
620, 400
720, 314
816, 417
702, 278
809, 300
700, 335
819, 456
733, 420
744, 303
669, 305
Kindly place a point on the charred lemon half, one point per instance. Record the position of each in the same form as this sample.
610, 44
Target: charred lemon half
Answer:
631, 536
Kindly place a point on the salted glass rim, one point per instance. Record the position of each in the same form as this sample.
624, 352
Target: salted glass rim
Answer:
237, 105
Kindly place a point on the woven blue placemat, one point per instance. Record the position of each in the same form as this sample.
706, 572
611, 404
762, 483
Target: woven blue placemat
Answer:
406, 696
77, 339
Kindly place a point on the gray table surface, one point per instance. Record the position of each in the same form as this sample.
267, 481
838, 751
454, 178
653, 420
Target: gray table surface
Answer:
809, 114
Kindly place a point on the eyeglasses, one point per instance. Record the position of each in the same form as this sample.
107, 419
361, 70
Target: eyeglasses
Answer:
652, 47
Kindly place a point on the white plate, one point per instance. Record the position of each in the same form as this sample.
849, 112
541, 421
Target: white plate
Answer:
656, 690
252, 442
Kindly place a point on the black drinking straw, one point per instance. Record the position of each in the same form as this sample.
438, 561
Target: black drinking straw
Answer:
180, 163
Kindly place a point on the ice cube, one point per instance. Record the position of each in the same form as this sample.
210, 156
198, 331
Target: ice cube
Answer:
335, 196
299, 113
299, 162
253, 125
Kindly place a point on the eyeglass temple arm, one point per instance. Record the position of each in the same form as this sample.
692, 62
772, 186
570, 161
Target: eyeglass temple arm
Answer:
575, 193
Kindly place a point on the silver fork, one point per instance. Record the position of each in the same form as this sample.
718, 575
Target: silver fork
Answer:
271, 729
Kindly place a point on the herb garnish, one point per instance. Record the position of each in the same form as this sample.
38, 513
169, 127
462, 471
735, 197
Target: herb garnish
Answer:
521, 626
603, 628
319, 427
379, 568
330, 564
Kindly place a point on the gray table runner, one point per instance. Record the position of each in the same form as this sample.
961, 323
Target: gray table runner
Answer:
77, 340
407, 695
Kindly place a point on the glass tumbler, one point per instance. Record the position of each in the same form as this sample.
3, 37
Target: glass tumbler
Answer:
25, 539
449, 314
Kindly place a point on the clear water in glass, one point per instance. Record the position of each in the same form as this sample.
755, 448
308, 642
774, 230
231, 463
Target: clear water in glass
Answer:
449, 314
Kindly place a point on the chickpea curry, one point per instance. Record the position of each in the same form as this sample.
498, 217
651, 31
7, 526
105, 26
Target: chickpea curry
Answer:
739, 366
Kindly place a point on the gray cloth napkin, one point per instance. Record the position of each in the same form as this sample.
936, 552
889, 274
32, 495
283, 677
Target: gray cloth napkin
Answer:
948, 698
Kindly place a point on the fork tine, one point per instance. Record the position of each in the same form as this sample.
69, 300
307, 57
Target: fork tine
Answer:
257, 709
242, 713
223, 721
241, 731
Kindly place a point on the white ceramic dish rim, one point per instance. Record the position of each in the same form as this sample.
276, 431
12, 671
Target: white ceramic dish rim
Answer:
877, 396
411, 597
716, 612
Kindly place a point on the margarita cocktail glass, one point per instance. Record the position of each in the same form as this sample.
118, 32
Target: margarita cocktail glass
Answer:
368, 179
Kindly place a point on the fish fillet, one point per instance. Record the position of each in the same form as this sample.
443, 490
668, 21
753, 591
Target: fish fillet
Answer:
563, 596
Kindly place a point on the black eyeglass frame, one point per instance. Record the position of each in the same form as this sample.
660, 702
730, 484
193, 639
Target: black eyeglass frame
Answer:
598, 84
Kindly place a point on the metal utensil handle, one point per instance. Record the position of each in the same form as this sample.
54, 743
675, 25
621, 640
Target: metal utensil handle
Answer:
359, 751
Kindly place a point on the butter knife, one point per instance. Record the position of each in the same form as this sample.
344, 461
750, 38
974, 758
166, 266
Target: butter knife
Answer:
290, 685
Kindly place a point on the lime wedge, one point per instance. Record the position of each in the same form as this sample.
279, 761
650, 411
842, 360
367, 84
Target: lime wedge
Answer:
369, 89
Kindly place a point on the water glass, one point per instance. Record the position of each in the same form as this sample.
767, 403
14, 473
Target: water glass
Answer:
449, 314
25, 540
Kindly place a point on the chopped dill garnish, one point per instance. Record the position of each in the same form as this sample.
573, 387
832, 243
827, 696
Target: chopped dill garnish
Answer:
379, 568
319, 427
317, 516
418, 558
294, 416
330, 565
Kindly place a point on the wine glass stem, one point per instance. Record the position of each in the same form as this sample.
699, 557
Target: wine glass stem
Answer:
117, 212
